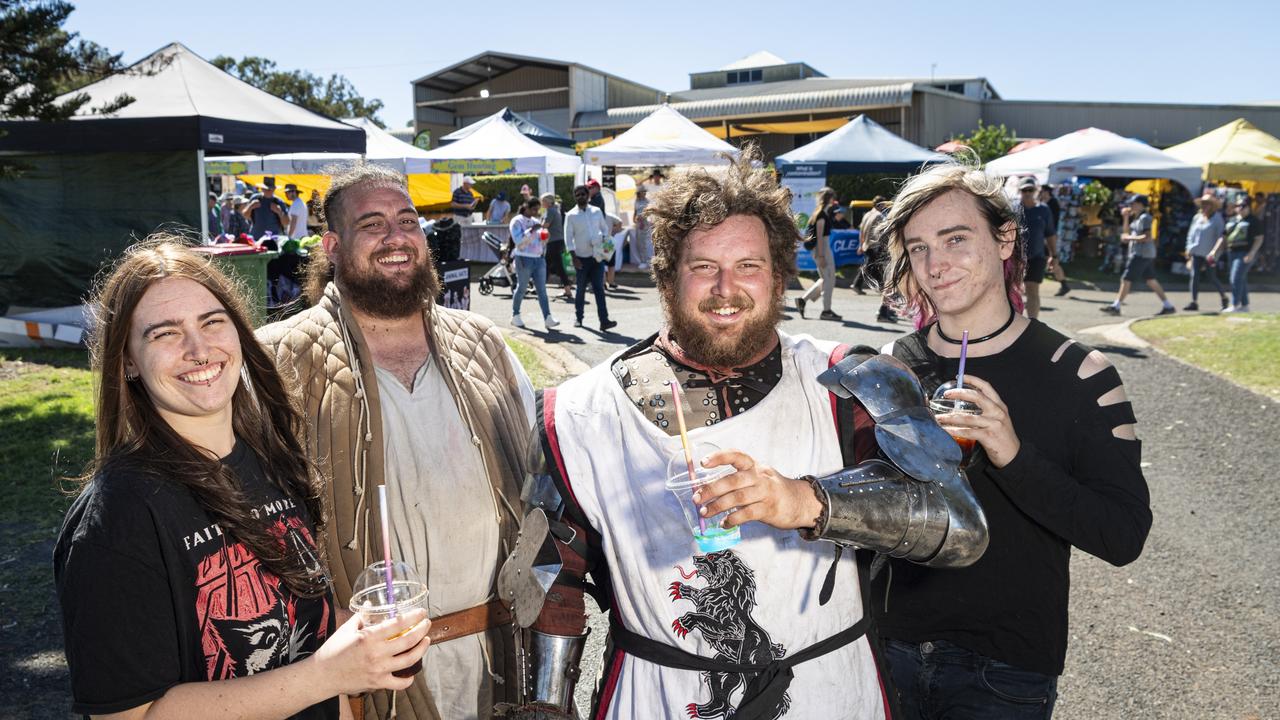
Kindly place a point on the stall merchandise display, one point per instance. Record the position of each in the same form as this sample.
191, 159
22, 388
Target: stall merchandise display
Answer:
1070, 227
1269, 256
1174, 210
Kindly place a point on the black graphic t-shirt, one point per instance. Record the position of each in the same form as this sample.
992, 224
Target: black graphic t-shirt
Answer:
153, 594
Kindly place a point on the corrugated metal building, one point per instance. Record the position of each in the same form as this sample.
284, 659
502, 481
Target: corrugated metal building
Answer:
549, 92
783, 105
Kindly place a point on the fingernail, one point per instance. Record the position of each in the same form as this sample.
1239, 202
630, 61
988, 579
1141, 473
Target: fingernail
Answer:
702, 511
697, 498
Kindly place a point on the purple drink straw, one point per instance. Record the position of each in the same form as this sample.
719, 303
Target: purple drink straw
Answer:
964, 353
386, 549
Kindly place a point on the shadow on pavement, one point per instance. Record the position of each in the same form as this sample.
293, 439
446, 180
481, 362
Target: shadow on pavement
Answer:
1122, 350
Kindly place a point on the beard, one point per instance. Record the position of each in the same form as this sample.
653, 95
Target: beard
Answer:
707, 347
388, 299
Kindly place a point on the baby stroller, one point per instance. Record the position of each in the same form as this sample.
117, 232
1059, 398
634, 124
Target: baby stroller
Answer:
500, 275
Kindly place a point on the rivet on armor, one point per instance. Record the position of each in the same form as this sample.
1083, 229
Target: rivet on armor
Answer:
707, 422
664, 423
659, 416
706, 402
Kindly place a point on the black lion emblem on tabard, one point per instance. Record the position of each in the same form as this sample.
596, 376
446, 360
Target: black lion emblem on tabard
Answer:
722, 613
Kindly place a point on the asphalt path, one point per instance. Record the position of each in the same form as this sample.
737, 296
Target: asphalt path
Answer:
1189, 630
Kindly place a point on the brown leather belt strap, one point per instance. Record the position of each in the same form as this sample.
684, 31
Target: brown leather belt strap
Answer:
468, 622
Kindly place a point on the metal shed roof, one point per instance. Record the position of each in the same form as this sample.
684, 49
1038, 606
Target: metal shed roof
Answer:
776, 103
490, 64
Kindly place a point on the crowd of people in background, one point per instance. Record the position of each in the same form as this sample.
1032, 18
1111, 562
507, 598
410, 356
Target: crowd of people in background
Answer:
261, 214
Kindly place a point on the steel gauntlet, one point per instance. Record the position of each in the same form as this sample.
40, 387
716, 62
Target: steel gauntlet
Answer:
876, 506
916, 504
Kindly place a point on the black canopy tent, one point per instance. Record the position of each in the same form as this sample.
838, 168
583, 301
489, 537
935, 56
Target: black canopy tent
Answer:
96, 183
182, 102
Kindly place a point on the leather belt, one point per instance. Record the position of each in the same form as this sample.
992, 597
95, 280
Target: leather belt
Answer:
468, 622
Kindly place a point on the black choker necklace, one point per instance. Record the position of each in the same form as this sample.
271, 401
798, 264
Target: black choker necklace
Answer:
938, 326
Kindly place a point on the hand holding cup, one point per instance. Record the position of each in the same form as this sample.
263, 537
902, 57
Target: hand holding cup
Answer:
757, 492
991, 427
358, 658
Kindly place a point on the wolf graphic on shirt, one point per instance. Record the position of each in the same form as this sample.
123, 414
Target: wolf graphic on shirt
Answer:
722, 614
245, 613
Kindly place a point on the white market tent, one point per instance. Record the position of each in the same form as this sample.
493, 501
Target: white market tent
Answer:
665, 137
1096, 153
381, 148
497, 142
860, 146
497, 148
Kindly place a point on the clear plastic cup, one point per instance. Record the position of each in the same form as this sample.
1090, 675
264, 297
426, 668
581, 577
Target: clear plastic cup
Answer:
708, 533
369, 599
940, 405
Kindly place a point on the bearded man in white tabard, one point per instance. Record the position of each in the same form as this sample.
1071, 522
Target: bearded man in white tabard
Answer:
772, 625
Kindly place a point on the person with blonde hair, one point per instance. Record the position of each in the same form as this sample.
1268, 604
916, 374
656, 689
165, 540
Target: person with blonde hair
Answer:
1058, 464
187, 569
1203, 236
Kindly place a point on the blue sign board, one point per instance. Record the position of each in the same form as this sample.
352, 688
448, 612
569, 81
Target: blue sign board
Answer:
844, 245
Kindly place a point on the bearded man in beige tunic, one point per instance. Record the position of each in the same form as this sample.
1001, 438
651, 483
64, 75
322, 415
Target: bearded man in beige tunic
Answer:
429, 401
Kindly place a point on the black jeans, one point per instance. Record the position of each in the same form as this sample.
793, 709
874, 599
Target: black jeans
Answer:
591, 271
941, 680
1201, 265
555, 261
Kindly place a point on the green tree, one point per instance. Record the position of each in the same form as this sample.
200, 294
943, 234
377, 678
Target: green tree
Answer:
989, 141
40, 63
334, 96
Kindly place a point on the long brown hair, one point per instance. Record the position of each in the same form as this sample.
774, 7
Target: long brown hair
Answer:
133, 437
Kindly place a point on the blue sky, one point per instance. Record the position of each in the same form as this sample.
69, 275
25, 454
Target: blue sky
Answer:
1177, 51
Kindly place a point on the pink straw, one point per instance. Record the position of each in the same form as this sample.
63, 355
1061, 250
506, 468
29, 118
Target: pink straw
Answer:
684, 441
964, 353
386, 548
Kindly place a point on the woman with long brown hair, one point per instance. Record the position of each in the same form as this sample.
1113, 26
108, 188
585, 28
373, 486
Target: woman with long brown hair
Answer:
187, 569
820, 221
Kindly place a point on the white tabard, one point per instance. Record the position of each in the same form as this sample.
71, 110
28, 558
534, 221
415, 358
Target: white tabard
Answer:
616, 466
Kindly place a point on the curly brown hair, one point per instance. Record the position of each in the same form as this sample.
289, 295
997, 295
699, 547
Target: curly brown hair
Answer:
701, 198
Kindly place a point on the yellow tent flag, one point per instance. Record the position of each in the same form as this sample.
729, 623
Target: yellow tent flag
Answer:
424, 190
1235, 152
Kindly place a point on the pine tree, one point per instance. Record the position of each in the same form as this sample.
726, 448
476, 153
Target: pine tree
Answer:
40, 62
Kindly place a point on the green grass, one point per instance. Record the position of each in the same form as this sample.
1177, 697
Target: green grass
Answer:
1242, 348
46, 436
46, 433
538, 373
